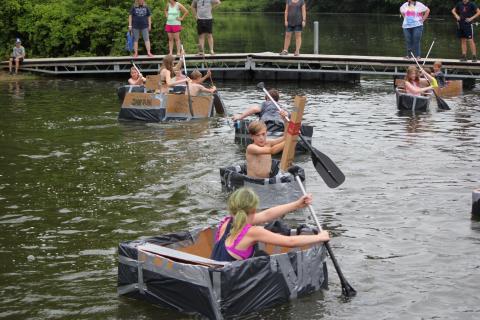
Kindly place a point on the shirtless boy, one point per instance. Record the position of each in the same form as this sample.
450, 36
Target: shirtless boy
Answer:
195, 87
259, 153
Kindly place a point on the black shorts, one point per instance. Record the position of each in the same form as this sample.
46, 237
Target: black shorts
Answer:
465, 30
20, 60
204, 26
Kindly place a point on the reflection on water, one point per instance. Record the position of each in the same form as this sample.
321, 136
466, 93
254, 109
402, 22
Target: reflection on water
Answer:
74, 182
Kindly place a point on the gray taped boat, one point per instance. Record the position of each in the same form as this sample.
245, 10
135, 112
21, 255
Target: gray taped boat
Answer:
175, 271
139, 103
275, 129
280, 188
407, 102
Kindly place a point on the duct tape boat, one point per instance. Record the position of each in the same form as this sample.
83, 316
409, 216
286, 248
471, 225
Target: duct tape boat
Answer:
279, 188
139, 103
407, 102
175, 271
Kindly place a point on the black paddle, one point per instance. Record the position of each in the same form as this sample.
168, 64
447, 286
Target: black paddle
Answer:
347, 289
225, 111
440, 102
190, 107
325, 167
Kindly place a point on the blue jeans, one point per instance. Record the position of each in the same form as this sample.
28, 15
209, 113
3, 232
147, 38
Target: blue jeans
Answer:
413, 36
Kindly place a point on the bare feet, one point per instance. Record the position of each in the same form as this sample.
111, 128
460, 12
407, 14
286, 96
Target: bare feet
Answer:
150, 55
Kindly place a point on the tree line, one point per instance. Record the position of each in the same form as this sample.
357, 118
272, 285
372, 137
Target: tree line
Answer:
52, 28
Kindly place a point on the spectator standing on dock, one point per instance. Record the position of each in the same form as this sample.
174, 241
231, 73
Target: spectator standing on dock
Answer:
18, 54
174, 24
295, 20
202, 10
465, 12
140, 21
414, 14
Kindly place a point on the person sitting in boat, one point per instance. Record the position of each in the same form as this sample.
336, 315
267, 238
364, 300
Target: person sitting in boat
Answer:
238, 234
195, 86
167, 71
259, 153
413, 85
438, 74
136, 78
181, 87
267, 111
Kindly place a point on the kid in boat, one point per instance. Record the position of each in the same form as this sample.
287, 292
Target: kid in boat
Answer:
238, 234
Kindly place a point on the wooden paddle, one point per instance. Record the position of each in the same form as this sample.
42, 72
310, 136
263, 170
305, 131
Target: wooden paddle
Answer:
190, 107
325, 167
428, 53
440, 102
347, 289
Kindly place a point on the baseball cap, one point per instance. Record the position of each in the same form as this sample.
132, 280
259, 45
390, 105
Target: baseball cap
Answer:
18, 40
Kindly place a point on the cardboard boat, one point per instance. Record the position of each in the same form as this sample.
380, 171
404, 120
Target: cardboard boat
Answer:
138, 103
175, 271
407, 102
279, 188
451, 89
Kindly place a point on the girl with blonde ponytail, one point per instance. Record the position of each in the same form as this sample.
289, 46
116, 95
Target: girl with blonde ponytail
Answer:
237, 234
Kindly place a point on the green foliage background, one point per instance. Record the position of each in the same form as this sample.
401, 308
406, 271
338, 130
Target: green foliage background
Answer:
53, 28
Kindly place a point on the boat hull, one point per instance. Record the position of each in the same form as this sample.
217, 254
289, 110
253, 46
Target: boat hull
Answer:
406, 102
138, 103
174, 271
279, 189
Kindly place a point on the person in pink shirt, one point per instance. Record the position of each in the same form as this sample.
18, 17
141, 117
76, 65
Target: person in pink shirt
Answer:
238, 234
414, 14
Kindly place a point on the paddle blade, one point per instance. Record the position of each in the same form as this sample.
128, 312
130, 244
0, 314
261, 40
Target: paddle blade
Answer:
261, 85
327, 169
441, 103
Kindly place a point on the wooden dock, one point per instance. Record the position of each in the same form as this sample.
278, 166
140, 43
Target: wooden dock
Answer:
265, 66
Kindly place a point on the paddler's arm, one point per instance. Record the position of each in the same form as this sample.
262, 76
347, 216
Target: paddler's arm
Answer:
258, 234
279, 211
250, 111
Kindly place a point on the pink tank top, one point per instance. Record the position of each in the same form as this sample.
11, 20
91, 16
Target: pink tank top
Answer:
242, 253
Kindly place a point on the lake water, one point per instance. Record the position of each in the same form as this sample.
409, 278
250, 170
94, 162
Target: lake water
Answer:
74, 182
372, 35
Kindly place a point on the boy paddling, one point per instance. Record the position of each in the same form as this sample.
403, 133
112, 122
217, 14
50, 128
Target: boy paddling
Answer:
259, 153
465, 12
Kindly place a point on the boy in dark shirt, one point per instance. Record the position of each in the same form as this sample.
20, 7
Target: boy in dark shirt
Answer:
465, 12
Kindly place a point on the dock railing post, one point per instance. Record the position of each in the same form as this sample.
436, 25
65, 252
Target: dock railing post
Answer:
315, 37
